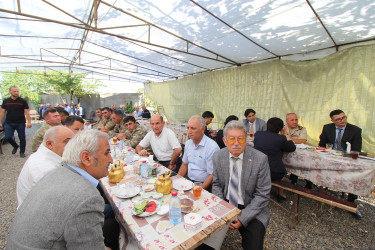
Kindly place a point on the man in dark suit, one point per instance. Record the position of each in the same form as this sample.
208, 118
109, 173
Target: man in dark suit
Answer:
340, 126
338, 133
241, 176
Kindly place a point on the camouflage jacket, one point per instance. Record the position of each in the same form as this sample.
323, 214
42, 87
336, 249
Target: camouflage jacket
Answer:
134, 137
116, 129
100, 121
108, 123
38, 137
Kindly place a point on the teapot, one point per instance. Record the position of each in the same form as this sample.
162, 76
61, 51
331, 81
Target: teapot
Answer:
164, 183
116, 174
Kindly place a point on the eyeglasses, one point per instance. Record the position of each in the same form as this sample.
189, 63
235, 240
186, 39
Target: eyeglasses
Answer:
340, 119
232, 140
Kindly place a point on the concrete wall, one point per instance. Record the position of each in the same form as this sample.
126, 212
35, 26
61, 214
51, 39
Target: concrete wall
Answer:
90, 103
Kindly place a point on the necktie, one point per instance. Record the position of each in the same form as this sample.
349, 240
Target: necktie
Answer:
339, 137
233, 183
251, 128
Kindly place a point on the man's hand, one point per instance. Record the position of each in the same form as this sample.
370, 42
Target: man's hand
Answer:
28, 125
143, 152
213, 134
236, 224
172, 166
104, 129
121, 136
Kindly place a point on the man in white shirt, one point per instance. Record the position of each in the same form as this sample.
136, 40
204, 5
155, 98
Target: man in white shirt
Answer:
45, 159
164, 144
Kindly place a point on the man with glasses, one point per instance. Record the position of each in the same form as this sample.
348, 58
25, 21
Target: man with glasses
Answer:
241, 176
338, 133
197, 159
133, 134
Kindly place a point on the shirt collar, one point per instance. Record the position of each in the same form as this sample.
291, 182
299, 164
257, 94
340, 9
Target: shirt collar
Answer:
85, 175
240, 156
343, 128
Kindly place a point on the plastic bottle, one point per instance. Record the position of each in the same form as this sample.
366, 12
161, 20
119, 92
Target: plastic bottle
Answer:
174, 208
121, 145
144, 170
129, 156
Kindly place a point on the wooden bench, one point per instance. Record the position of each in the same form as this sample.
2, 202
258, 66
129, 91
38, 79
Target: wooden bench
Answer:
315, 195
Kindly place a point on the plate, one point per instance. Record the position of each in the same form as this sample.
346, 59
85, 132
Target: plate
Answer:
148, 187
182, 184
146, 214
123, 194
187, 205
163, 210
153, 195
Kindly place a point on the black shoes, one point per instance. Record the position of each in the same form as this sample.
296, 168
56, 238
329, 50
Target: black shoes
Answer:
280, 198
22, 155
15, 150
308, 185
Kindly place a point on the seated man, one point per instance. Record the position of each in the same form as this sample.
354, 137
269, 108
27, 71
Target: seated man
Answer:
164, 144
252, 123
44, 160
197, 159
208, 116
107, 124
118, 120
122, 109
52, 118
137, 111
133, 134
241, 176
145, 113
298, 134
338, 133
65, 209
74, 123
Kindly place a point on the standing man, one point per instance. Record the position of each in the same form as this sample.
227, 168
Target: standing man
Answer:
338, 133
52, 118
164, 144
44, 160
208, 116
295, 131
133, 133
16, 108
197, 159
242, 177
252, 123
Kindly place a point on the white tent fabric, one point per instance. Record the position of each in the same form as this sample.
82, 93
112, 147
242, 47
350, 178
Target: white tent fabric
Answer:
142, 41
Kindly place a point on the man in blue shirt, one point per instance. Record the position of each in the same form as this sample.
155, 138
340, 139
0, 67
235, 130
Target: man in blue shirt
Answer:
197, 159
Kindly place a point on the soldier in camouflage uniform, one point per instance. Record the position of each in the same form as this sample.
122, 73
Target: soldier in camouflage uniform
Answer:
107, 124
52, 118
133, 133
100, 118
117, 118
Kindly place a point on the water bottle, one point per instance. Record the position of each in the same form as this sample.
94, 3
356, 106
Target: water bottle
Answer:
121, 145
144, 170
129, 156
174, 208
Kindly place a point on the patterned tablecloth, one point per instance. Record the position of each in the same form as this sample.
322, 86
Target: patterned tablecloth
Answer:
332, 171
156, 232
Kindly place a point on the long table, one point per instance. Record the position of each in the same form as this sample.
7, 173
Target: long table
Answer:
332, 171
155, 232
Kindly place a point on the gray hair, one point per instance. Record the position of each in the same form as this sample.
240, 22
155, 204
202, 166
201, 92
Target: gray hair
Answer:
286, 117
200, 119
86, 140
51, 134
234, 125
122, 106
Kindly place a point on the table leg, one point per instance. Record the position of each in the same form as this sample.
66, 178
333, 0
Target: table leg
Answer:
294, 212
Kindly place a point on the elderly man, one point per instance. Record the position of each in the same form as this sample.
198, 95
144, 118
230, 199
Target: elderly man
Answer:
16, 108
44, 160
241, 176
252, 123
118, 120
52, 118
295, 131
133, 133
164, 144
338, 133
122, 109
107, 124
74, 123
197, 159
145, 113
65, 209
137, 111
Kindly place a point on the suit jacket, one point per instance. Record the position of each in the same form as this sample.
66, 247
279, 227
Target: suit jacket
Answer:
255, 183
62, 211
352, 134
260, 125
273, 145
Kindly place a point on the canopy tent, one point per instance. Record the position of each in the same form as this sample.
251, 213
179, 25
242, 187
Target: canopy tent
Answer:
143, 41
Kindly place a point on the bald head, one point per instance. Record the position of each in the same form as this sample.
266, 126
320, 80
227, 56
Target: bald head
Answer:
292, 120
56, 138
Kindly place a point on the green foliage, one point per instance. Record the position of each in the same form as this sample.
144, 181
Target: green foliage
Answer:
129, 109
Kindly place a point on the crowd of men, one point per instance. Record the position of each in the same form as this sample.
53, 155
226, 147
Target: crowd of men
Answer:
61, 203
